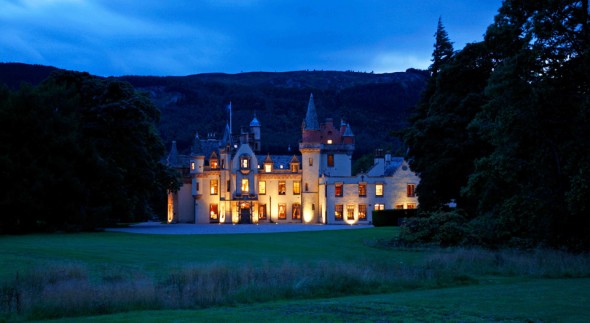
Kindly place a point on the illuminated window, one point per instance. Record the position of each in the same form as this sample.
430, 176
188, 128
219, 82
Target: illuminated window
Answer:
245, 162
282, 188
329, 141
350, 212
411, 205
379, 207
294, 168
296, 187
192, 165
338, 210
262, 187
268, 168
362, 190
213, 163
296, 215
379, 190
214, 185
310, 161
213, 213
262, 211
282, 211
362, 212
411, 190
399, 206
245, 186
338, 190
330, 160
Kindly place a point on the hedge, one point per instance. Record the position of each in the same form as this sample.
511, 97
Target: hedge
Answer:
395, 217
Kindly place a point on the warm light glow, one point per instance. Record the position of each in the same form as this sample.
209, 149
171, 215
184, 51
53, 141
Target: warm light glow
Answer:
222, 215
307, 216
329, 141
379, 189
170, 209
267, 168
262, 187
245, 185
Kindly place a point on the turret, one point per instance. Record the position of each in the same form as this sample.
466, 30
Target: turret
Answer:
311, 126
255, 131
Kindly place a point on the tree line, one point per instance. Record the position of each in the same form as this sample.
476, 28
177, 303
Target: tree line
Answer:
79, 152
503, 128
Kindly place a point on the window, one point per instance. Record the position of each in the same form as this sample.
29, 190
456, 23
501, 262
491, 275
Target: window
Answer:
197, 186
213, 213
268, 168
294, 168
411, 205
262, 187
350, 212
379, 190
282, 211
411, 188
192, 165
213, 163
338, 210
338, 190
245, 186
229, 185
362, 212
310, 161
282, 188
306, 187
262, 212
223, 163
296, 215
214, 185
362, 190
330, 160
245, 162
296, 187
399, 206
379, 207
329, 141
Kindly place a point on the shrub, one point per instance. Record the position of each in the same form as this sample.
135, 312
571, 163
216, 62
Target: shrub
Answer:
446, 228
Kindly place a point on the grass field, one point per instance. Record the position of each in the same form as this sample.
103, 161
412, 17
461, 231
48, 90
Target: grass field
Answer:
330, 275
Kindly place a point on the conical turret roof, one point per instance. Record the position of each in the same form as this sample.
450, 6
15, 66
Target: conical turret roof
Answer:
311, 117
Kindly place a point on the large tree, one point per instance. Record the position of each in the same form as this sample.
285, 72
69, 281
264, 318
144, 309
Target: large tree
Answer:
507, 128
78, 152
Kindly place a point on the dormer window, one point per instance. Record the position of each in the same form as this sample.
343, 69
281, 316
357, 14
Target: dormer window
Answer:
294, 168
268, 168
213, 163
245, 162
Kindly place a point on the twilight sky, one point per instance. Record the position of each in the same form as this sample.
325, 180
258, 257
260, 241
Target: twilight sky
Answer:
182, 37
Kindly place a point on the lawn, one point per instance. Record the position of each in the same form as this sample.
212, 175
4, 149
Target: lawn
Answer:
329, 275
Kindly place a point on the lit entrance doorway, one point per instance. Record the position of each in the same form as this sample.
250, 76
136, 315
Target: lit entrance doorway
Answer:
245, 213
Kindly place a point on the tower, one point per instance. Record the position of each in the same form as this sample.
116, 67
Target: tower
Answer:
310, 148
255, 131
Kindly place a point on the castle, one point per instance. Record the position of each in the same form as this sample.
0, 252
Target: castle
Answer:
227, 180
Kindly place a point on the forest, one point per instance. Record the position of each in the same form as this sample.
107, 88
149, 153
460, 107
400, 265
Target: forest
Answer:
503, 129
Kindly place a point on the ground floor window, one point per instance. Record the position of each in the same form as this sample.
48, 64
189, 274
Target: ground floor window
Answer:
338, 210
399, 206
282, 211
411, 205
362, 212
379, 207
296, 215
213, 212
350, 212
262, 212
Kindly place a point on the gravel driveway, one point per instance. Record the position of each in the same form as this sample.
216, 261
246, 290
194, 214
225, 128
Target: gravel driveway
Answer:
159, 228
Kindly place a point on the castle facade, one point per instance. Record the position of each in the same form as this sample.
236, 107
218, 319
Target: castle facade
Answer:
227, 180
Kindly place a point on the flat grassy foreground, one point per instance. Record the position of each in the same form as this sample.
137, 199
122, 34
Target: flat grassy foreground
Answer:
305, 276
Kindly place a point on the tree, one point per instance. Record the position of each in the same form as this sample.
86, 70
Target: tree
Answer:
78, 152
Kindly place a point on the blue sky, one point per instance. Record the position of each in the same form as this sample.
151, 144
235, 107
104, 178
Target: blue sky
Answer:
167, 37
